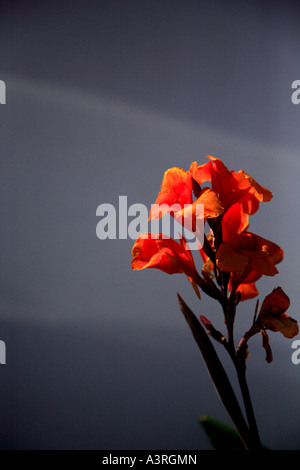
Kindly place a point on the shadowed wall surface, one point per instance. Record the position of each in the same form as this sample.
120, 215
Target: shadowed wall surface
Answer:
102, 98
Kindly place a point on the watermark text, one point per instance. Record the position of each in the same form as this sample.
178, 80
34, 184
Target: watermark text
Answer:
296, 353
2, 92
296, 94
132, 222
2, 352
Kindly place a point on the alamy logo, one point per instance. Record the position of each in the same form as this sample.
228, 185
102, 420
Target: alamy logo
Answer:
2, 352
296, 354
2, 92
132, 222
296, 94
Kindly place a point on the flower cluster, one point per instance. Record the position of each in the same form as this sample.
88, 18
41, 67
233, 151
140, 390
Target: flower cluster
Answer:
234, 258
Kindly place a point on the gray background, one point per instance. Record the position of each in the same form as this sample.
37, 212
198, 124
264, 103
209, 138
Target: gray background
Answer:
102, 98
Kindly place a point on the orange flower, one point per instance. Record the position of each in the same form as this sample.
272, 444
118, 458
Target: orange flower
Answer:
249, 250
231, 186
239, 194
171, 257
233, 196
247, 258
176, 195
193, 216
247, 290
272, 317
272, 314
176, 188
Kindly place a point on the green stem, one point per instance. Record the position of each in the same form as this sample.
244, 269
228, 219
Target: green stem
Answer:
241, 372
218, 374
240, 366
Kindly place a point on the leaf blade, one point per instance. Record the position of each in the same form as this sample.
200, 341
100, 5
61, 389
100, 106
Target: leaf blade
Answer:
216, 372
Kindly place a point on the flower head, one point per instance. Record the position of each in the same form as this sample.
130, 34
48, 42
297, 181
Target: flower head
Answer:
226, 205
176, 188
239, 194
246, 259
248, 250
166, 254
272, 315
176, 193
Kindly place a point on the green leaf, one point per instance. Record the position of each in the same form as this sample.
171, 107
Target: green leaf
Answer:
216, 372
221, 436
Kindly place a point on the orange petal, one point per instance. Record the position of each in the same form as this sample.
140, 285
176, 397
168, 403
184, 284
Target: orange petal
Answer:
249, 203
202, 173
245, 181
263, 254
223, 183
284, 323
229, 260
234, 221
272, 314
261, 263
212, 204
193, 168
171, 257
147, 255
276, 303
173, 177
192, 216
142, 252
247, 290
176, 188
